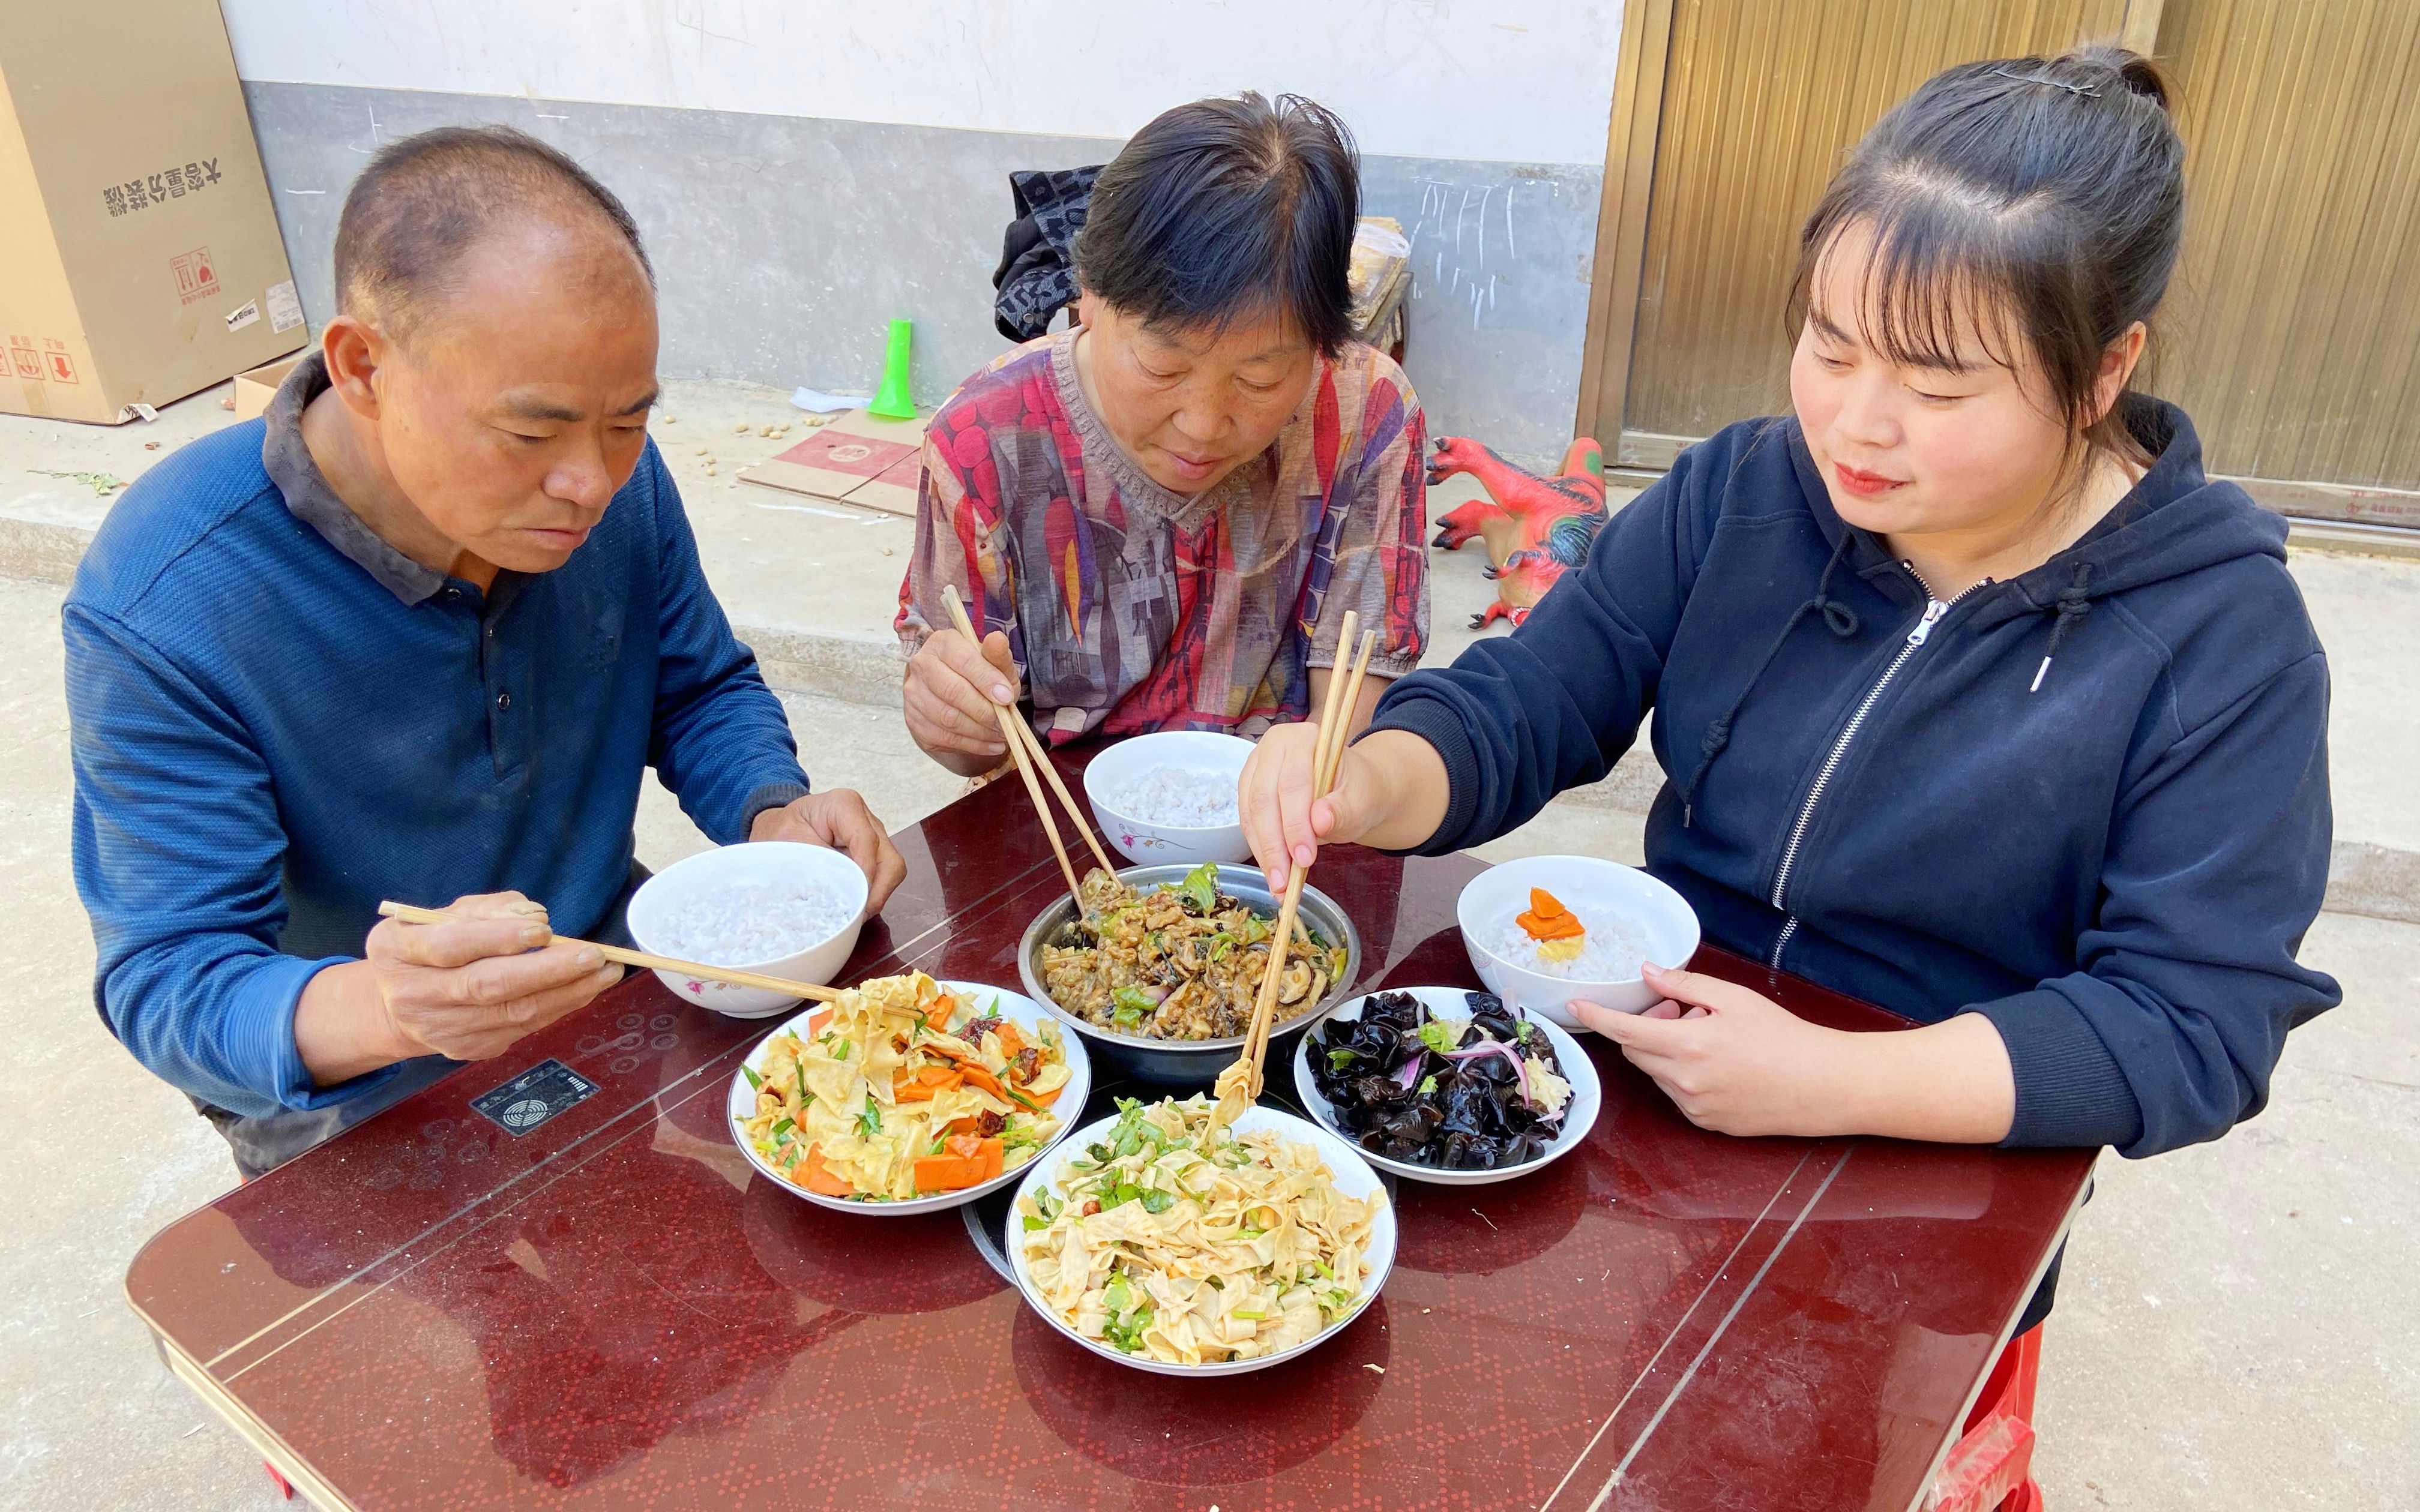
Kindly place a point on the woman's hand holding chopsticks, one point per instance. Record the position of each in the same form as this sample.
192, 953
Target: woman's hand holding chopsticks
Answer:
1033, 765
1240, 1082
952, 685
1390, 791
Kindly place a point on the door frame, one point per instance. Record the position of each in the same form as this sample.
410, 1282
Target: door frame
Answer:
1639, 69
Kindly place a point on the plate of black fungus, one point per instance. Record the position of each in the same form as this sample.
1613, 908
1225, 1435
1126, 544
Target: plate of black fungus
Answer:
1437, 1083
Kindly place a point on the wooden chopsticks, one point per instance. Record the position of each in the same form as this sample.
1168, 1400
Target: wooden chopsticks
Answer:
1025, 747
411, 914
1241, 1081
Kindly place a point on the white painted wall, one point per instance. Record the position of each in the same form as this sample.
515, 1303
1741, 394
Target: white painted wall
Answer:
1527, 80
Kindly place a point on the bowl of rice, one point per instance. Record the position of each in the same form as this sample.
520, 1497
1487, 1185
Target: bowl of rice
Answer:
1170, 797
776, 908
1624, 918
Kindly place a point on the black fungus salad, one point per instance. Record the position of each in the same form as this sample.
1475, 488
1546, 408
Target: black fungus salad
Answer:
1480, 1093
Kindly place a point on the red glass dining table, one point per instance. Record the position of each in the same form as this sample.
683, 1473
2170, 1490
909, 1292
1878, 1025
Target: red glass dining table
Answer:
552, 1280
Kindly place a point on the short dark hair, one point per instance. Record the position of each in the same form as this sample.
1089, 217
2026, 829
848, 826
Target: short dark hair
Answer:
1226, 208
424, 201
2044, 192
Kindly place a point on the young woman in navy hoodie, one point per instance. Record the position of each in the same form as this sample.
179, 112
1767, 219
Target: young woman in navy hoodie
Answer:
1974, 697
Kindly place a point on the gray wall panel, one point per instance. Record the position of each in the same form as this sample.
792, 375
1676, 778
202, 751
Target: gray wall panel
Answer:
783, 243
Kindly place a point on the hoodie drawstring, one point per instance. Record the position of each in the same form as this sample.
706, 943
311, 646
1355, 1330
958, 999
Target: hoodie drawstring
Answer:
1840, 618
2074, 603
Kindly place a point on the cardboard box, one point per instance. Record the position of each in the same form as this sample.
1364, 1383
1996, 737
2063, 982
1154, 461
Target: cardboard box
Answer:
254, 388
139, 253
857, 459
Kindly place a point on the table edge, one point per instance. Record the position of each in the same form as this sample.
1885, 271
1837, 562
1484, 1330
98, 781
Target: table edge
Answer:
281, 1457
1956, 1428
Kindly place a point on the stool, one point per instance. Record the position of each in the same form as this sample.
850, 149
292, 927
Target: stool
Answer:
1989, 1467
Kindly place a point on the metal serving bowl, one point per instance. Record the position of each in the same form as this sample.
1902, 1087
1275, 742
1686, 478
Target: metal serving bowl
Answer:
1192, 1062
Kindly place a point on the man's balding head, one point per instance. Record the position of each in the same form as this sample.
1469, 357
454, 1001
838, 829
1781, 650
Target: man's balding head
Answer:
493, 359
426, 203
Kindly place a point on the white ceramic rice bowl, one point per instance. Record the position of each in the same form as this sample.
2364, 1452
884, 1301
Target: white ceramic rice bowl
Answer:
1016, 1007
1669, 924
1579, 1117
1354, 1176
756, 862
1202, 751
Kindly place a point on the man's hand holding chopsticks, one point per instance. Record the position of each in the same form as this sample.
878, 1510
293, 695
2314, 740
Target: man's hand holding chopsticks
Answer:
467, 989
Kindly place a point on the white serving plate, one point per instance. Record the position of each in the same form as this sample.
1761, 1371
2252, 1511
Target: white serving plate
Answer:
1354, 1178
1669, 922
1579, 1117
756, 861
1016, 1007
1202, 751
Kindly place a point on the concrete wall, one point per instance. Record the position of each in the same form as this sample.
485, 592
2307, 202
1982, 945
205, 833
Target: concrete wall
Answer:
804, 173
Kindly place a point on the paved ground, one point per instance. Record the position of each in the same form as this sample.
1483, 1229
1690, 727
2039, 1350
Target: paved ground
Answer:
2236, 1328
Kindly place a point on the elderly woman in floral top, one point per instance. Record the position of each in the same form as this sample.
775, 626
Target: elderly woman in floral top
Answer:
1159, 517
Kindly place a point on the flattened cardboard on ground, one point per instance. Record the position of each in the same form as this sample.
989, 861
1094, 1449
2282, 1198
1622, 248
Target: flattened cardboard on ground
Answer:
858, 460
139, 253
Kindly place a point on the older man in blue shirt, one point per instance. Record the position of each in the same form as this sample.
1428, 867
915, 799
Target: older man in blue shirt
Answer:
416, 635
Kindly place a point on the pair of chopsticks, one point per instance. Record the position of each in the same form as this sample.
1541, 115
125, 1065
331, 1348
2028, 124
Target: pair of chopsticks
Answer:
1025, 747
411, 914
1241, 1081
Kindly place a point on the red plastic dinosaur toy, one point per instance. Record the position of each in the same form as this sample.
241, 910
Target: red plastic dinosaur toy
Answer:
1534, 528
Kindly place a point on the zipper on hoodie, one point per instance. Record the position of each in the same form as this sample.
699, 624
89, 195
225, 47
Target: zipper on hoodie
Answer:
1934, 609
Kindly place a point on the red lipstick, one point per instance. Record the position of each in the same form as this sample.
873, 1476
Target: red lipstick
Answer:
1864, 485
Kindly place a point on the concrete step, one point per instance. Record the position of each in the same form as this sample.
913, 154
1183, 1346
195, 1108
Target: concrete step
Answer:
813, 587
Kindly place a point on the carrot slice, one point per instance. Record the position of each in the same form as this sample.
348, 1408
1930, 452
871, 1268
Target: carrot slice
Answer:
1010, 1041
810, 1173
921, 1084
948, 1173
980, 1078
995, 1157
1548, 920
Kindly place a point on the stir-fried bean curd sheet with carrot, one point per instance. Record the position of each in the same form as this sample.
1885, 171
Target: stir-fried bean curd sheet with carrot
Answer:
1188, 1247
1179, 962
909, 1090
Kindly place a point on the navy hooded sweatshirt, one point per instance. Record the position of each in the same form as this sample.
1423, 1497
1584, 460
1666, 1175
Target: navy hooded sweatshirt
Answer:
2091, 802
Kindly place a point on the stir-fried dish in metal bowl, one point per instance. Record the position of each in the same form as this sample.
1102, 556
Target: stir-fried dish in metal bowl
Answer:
1174, 1241
910, 1089
1180, 961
